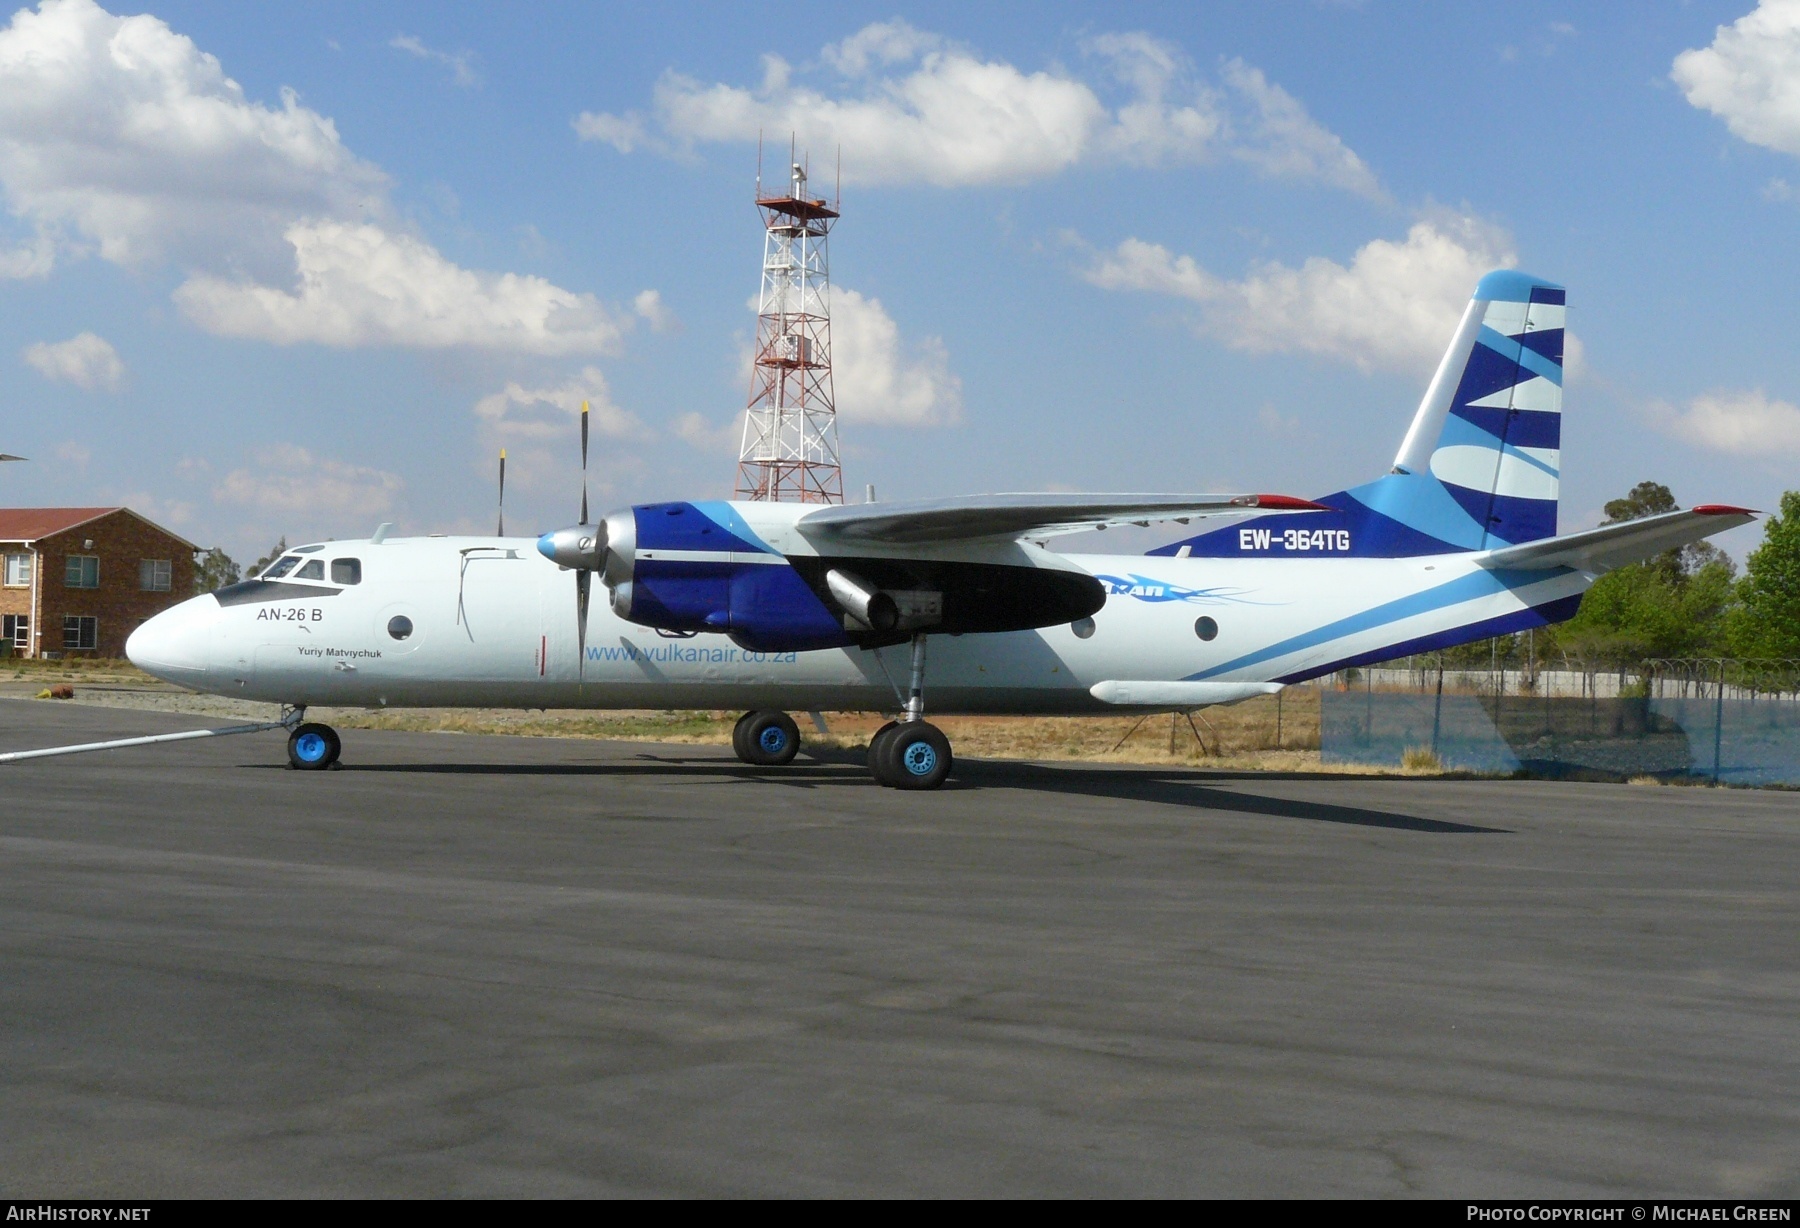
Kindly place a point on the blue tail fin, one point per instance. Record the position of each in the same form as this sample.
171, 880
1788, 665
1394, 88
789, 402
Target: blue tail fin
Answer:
1479, 468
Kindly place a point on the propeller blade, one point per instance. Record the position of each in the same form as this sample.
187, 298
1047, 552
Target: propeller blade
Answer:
584, 450
583, 578
501, 530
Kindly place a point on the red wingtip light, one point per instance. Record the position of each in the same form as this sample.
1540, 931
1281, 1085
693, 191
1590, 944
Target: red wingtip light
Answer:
1288, 503
1722, 509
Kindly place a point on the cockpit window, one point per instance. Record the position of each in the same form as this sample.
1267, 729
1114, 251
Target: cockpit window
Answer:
346, 571
280, 568
309, 549
314, 570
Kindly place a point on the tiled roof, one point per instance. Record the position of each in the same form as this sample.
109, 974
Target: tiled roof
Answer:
28, 524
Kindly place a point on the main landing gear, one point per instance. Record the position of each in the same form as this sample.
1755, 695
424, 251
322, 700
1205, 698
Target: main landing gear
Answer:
766, 739
905, 754
910, 753
313, 747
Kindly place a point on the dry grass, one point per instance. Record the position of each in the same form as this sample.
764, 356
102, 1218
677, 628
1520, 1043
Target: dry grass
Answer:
1420, 759
1243, 737
1262, 734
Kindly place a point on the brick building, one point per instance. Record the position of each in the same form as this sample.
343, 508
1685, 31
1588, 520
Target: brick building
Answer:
76, 581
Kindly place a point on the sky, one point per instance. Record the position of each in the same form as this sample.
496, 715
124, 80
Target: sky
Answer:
297, 272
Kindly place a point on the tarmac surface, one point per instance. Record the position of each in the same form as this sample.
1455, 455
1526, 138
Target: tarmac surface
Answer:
507, 966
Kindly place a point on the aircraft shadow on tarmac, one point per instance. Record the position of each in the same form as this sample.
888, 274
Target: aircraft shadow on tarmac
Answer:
830, 767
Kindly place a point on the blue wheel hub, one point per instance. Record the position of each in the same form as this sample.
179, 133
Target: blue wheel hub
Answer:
918, 758
310, 748
773, 740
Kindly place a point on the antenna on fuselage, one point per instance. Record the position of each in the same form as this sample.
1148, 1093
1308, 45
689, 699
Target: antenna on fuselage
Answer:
500, 531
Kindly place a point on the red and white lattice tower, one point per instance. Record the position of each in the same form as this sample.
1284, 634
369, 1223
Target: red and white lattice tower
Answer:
790, 449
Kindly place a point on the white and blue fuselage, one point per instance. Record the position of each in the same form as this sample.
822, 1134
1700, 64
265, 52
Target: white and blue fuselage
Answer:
488, 622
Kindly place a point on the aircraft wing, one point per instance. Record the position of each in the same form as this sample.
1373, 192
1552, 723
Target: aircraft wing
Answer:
967, 518
1615, 545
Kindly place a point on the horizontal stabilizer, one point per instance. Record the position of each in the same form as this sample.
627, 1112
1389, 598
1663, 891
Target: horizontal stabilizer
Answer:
1615, 545
922, 521
1152, 694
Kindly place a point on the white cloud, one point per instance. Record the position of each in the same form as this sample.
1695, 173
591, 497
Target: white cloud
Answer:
517, 412
85, 360
1287, 143
120, 137
34, 258
74, 452
1740, 423
911, 107
291, 481
655, 312
623, 132
364, 285
1750, 76
877, 378
461, 64
132, 139
697, 431
1393, 307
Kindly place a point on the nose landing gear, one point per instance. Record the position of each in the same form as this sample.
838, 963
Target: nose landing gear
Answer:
313, 747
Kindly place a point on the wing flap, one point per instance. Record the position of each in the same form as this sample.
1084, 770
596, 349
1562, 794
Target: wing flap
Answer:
971, 517
1616, 545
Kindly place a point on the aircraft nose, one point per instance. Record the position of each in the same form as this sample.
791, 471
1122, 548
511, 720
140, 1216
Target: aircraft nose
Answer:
174, 645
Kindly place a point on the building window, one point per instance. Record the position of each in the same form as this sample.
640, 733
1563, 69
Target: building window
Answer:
154, 575
81, 571
80, 631
18, 571
16, 630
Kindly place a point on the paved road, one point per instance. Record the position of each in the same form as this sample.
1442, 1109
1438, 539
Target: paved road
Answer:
470, 965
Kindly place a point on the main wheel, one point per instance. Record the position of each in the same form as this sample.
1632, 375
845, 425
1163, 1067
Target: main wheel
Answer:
917, 756
739, 746
313, 747
771, 739
877, 756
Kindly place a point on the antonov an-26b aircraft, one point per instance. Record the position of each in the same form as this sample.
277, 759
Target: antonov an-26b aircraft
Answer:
772, 606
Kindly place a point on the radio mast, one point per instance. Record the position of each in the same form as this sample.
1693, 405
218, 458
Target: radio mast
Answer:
790, 448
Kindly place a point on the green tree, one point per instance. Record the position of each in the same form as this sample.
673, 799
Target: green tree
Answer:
276, 551
1653, 499
215, 571
1767, 621
1674, 605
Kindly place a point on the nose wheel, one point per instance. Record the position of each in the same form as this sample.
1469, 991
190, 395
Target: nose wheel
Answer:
911, 753
313, 747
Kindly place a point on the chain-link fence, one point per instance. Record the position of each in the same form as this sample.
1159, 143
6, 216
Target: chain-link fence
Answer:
1730, 721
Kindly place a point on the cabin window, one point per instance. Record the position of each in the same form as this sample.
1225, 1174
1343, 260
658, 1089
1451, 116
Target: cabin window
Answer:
1205, 627
18, 571
281, 567
400, 626
346, 571
80, 631
314, 570
81, 571
155, 575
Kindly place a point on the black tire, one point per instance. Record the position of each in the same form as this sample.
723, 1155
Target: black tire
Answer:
771, 739
877, 756
313, 747
739, 746
917, 756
